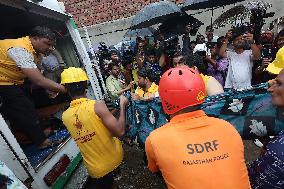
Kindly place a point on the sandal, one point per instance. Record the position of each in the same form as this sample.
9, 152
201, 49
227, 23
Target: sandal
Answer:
50, 144
49, 132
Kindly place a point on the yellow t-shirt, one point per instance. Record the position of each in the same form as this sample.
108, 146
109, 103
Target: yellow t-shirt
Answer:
10, 74
101, 152
152, 90
205, 79
198, 152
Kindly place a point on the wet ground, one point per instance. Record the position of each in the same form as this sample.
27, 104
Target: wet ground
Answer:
135, 175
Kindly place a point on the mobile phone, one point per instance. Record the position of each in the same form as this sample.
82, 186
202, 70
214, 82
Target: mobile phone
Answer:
267, 51
201, 53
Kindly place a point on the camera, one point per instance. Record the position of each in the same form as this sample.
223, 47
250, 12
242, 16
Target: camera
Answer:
211, 45
257, 21
171, 45
128, 56
201, 53
195, 27
268, 51
103, 52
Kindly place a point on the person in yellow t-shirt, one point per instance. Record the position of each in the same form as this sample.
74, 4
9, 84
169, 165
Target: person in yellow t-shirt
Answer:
18, 61
94, 129
213, 87
193, 150
147, 89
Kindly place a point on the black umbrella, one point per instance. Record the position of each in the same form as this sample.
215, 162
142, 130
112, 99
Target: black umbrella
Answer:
231, 16
241, 12
177, 24
203, 4
140, 32
154, 13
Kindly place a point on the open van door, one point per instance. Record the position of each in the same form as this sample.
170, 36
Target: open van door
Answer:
49, 168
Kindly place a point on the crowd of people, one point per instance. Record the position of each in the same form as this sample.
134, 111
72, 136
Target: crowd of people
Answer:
233, 61
192, 150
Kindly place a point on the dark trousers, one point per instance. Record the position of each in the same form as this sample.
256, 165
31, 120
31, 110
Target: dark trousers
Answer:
21, 113
105, 182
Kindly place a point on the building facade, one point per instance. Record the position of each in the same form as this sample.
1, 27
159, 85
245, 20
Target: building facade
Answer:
109, 20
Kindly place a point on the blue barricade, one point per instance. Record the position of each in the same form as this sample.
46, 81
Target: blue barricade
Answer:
250, 112
143, 117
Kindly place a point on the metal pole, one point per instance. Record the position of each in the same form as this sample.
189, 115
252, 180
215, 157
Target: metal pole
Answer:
86, 60
212, 14
95, 62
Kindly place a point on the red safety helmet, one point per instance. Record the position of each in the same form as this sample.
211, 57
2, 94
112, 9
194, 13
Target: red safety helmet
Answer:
180, 88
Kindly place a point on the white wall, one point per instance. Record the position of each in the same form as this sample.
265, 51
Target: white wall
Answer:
106, 31
50, 4
277, 7
116, 37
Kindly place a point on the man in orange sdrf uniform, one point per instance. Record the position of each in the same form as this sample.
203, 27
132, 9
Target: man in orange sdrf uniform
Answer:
194, 151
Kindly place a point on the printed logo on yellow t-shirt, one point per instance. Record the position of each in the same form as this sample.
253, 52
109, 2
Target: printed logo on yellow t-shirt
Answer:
81, 131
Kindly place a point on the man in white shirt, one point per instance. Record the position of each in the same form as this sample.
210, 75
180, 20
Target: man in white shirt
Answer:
210, 37
240, 60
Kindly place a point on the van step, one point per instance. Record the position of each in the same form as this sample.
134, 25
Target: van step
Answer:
36, 156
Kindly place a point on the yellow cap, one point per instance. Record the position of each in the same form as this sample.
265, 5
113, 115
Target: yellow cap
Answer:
278, 64
73, 75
